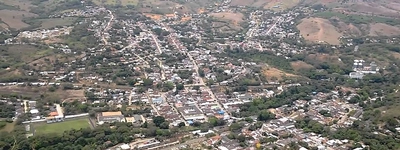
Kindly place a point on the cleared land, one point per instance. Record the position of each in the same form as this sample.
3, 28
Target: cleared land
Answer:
319, 30
54, 22
13, 18
275, 74
234, 17
242, 2
381, 29
276, 5
9, 127
21, 4
18, 55
153, 16
116, 2
281, 4
61, 127
348, 29
299, 65
357, 19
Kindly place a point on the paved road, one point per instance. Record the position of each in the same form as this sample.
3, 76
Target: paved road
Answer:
107, 27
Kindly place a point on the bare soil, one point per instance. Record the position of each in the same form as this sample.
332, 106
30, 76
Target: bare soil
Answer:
319, 30
13, 18
298, 65
381, 29
270, 73
230, 16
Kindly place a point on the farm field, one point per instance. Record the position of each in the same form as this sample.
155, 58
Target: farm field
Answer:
275, 74
319, 30
116, 2
61, 127
54, 22
279, 5
299, 65
233, 17
357, 19
9, 127
21, 4
20, 54
380, 29
13, 18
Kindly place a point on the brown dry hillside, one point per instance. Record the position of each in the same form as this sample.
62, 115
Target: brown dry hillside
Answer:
319, 30
13, 18
272, 73
299, 65
230, 16
381, 29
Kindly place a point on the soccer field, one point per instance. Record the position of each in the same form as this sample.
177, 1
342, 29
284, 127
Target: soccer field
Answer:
60, 127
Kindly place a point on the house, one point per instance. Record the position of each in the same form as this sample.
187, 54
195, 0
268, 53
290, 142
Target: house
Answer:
136, 119
157, 100
109, 117
356, 75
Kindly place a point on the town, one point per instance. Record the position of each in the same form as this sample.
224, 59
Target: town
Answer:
176, 72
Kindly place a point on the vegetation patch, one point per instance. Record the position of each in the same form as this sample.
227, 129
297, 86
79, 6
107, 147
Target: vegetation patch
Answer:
19, 4
18, 55
357, 19
6, 126
60, 127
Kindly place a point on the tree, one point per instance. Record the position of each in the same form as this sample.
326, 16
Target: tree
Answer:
182, 124
241, 138
68, 86
248, 119
147, 82
265, 115
179, 86
204, 128
235, 127
196, 88
164, 125
158, 120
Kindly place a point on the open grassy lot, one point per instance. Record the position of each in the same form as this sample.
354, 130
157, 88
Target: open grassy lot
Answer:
21, 4
381, 29
8, 128
59, 128
230, 16
279, 5
116, 2
13, 18
319, 30
17, 55
358, 19
54, 22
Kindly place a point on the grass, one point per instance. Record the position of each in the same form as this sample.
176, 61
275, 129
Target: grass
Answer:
281, 5
16, 55
55, 22
13, 18
8, 7
116, 2
358, 19
9, 127
61, 127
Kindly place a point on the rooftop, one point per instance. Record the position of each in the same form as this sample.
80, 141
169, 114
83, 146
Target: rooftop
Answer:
117, 113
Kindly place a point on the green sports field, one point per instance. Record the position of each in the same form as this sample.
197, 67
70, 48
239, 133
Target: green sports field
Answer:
60, 127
